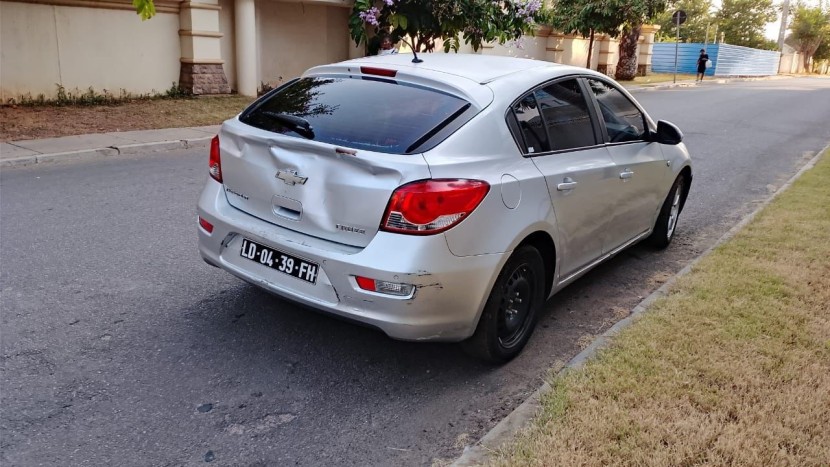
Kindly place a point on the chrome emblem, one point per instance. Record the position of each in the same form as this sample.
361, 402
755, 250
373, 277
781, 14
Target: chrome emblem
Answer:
290, 177
349, 228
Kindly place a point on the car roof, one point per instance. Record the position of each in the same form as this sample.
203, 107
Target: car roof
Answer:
479, 68
467, 75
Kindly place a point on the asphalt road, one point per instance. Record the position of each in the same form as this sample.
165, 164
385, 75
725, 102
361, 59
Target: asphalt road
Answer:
120, 346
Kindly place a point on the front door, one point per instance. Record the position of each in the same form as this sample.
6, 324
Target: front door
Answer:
640, 166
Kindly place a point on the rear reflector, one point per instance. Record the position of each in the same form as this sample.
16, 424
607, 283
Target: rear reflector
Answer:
215, 167
206, 225
368, 70
384, 287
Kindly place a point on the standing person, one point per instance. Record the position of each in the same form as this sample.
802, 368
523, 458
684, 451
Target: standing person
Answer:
387, 46
701, 65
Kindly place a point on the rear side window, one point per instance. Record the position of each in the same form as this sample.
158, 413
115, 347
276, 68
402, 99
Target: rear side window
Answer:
623, 120
531, 125
371, 114
565, 112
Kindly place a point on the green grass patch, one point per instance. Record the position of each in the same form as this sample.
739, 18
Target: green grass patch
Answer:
732, 367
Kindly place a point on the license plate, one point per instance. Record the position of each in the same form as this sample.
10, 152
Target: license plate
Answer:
282, 262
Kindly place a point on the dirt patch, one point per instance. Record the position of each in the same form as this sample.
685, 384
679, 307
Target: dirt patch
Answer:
23, 123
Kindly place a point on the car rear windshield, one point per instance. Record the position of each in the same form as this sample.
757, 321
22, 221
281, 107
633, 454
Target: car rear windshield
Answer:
372, 114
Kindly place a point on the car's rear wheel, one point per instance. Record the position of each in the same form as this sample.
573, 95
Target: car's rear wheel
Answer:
512, 308
666, 223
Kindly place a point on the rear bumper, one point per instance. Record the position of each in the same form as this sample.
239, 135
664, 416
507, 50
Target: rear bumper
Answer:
450, 290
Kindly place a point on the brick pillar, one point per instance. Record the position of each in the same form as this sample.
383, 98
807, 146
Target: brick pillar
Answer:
245, 36
646, 48
608, 51
201, 61
554, 47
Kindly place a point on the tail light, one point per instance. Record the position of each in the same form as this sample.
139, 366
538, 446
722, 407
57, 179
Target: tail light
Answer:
431, 206
215, 161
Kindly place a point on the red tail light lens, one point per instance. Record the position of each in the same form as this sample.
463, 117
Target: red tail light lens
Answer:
215, 161
206, 225
432, 206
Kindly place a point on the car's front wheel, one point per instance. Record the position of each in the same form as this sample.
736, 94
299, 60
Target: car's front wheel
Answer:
666, 223
512, 308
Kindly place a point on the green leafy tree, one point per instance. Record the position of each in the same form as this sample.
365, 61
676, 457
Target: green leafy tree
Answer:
810, 29
617, 18
698, 19
586, 18
823, 50
144, 8
473, 21
742, 22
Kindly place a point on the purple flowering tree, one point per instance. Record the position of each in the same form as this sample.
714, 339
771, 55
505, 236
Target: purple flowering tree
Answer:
472, 21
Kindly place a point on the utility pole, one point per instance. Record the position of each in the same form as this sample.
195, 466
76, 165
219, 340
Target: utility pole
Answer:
785, 16
679, 17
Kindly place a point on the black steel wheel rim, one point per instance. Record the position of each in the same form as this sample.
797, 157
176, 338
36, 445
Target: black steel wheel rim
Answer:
516, 303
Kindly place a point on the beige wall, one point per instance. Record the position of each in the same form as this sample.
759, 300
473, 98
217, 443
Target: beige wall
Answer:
568, 50
790, 63
123, 52
526, 47
294, 37
573, 50
226, 27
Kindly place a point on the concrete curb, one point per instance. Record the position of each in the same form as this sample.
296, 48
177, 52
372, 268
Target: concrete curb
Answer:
521, 416
111, 151
687, 84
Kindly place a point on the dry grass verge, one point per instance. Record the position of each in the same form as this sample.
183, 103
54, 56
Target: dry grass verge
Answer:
732, 368
46, 121
655, 78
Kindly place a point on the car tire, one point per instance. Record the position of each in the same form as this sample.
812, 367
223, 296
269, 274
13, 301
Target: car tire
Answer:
666, 223
512, 309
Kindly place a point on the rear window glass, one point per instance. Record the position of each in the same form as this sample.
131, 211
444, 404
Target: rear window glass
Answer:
371, 114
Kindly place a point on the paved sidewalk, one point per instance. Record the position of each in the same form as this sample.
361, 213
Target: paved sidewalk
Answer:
36, 151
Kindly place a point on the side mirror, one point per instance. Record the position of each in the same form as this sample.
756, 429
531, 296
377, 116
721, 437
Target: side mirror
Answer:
667, 133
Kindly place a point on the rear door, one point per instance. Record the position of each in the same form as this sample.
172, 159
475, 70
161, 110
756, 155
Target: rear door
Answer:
555, 123
641, 167
322, 156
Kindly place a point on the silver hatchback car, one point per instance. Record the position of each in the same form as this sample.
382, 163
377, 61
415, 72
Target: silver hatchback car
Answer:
444, 200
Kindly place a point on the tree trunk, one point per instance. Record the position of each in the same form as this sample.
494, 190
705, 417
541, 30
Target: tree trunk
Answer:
627, 64
590, 49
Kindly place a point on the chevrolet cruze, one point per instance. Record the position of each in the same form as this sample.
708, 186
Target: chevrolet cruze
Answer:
440, 200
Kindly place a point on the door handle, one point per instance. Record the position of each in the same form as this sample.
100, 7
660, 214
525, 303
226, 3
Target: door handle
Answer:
626, 174
567, 184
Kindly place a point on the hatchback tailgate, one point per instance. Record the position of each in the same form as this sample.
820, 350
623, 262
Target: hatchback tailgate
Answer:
311, 187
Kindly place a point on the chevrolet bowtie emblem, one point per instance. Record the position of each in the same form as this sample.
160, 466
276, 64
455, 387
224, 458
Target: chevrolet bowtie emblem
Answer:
291, 177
